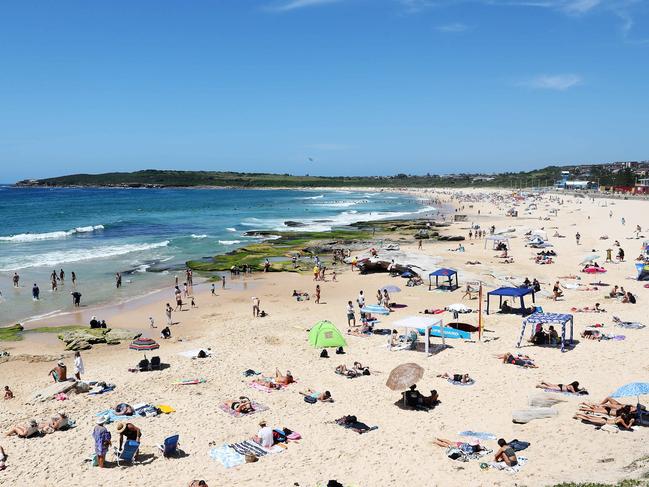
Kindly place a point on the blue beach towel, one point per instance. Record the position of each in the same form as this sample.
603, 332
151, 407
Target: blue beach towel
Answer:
227, 456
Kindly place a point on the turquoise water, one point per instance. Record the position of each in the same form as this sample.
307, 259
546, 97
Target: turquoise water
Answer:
147, 234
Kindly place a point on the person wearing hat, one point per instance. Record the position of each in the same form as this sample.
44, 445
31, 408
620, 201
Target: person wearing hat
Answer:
128, 431
102, 440
60, 372
264, 435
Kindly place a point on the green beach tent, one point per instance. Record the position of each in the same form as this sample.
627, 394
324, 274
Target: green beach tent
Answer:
325, 335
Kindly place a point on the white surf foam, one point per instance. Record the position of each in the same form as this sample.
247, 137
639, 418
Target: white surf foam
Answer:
199, 236
229, 242
60, 257
33, 237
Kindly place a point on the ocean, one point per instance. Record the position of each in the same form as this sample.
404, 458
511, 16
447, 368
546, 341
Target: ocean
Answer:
148, 233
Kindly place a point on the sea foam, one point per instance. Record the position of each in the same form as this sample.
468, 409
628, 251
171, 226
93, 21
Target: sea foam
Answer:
32, 237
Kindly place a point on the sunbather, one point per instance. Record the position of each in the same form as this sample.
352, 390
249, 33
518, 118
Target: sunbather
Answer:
520, 360
56, 423
506, 454
472, 446
343, 370
198, 483
624, 421
243, 405
573, 387
123, 409
462, 378
322, 397
24, 430
3, 459
59, 373
267, 382
283, 379
610, 407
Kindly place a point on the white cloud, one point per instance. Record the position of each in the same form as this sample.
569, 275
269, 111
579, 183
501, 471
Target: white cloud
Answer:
557, 82
453, 28
297, 4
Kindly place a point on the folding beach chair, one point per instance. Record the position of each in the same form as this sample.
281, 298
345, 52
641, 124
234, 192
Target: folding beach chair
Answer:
170, 446
127, 455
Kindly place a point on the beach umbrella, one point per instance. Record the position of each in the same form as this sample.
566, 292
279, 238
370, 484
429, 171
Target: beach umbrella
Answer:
325, 335
403, 376
633, 389
391, 288
458, 308
375, 309
590, 258
144, 345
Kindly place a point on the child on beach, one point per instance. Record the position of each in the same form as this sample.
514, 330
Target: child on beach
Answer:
213, 289
193, 303
8, 393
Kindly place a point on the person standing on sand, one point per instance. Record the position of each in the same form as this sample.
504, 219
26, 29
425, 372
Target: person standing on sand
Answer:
317, 294
351, 318
35, 292
78, 365
577, 237
223, 281
213, 289
419, 244
151, 322
168, 311
16, 279
255, 307
102, 440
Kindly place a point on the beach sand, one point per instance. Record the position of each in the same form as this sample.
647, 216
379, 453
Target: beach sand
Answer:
400, 451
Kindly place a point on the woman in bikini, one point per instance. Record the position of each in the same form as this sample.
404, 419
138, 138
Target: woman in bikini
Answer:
243, 405
624, 421
283, 379
322, 397
573, 387
520, 360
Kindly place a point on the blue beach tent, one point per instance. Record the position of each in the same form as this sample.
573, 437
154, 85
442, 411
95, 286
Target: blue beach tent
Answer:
511, 292
446, 273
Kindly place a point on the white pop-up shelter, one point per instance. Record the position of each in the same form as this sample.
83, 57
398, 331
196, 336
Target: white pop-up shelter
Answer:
423, 324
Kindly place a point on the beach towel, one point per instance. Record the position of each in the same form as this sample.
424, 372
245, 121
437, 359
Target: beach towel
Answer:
194, 353
459, 383
112, 416
464, 455
227, 456
101, 389
504, 467
263, 388
565, 393
478, 434
165, 409
257, 408
252, 448
356, 426
188, 382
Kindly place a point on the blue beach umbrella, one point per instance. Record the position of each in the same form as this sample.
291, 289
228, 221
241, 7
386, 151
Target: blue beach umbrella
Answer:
633, 389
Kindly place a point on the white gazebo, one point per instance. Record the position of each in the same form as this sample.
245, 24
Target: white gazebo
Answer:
425, 324
496, 239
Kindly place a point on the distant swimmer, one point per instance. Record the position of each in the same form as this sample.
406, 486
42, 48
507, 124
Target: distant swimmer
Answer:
35, 292
74, 278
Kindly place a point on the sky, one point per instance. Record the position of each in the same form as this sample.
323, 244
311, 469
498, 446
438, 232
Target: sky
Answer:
327, 87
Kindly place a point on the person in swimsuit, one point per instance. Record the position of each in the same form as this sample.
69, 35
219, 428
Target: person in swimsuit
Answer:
625, 421
322, 397
520, 360
243, 405
128, 431
506, 454
24, 430
461, 378
123, 409
573, 387
283, 379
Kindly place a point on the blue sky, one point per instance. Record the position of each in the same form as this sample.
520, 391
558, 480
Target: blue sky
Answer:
359, 86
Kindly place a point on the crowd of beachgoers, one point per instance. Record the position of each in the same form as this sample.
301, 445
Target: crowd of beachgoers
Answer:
513, 354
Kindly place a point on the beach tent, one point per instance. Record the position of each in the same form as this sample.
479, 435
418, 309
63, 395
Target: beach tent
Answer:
447, 273
325, 335
553, 318
511, 292
429, 325
496, 239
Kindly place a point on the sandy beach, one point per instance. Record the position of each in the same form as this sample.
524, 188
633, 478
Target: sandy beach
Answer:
401, 450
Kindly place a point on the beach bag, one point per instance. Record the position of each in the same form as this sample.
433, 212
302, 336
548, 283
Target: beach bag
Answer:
366, 371
324, 353
454, 453
202, 354
310, 399
279, 436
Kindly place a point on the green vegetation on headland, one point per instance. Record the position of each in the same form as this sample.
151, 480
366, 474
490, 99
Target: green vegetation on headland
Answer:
15, 333
158, 178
